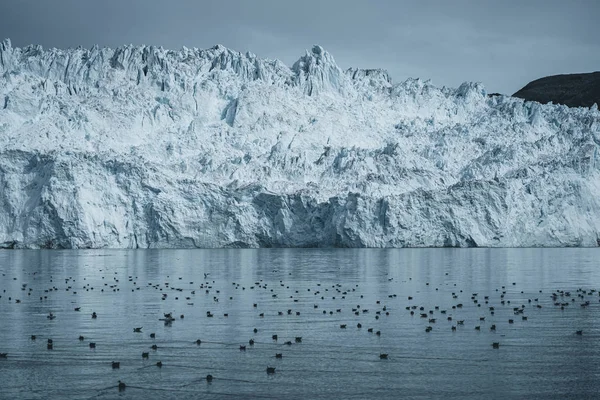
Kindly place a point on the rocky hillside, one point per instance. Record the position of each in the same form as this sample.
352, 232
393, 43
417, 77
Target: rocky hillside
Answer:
573, 90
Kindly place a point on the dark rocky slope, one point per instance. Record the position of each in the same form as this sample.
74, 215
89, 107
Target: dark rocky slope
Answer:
573, 90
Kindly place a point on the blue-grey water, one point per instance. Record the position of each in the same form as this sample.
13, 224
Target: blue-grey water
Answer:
316, 291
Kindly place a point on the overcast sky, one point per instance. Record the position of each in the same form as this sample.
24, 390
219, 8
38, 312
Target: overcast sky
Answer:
502, 43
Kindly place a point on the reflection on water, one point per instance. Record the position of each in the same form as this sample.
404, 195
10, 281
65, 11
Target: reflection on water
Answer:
316, 291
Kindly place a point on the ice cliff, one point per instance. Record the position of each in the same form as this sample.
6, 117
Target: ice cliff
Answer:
148, 147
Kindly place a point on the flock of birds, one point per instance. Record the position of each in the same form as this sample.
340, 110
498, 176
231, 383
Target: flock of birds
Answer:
281, 295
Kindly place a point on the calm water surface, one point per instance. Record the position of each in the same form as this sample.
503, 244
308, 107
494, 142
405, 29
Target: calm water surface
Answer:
316, 292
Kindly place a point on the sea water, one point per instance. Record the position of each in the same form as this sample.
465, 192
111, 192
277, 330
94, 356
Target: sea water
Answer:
318, 295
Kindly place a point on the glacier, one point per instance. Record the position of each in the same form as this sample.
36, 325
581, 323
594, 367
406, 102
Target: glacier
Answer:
144, 147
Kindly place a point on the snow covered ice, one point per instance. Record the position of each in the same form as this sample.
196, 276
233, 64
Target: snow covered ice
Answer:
148, 147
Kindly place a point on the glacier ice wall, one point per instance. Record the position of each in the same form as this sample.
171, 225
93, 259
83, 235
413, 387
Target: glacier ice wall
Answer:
147, 147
